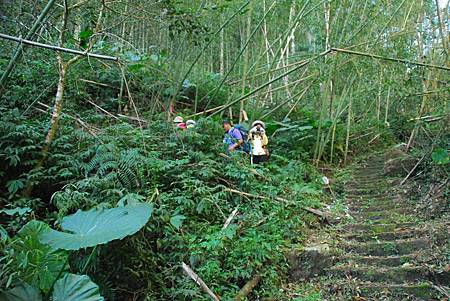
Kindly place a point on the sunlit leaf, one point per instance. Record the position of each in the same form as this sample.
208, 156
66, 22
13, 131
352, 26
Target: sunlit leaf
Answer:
177, 221
76, 288
22, 292
94, 227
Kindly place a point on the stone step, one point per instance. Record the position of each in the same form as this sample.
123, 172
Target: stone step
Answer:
386, 236
377, 228
382, 206
387, 248
373, 201
384, 215
366, 190
418, 291
368, 196
379, 261
397, 275
366, 183
375, 212
368, 177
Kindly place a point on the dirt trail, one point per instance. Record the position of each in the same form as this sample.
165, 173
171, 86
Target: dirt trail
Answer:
384, 251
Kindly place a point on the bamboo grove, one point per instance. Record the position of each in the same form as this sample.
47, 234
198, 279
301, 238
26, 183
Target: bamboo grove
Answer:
88, 93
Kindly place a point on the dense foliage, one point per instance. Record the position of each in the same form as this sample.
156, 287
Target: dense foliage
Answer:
108, 140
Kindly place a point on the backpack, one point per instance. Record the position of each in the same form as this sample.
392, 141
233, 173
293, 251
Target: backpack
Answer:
246, 147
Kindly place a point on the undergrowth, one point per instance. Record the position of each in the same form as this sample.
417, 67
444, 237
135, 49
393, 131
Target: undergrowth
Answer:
193, 190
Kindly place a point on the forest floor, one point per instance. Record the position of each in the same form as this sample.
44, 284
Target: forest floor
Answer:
384, 250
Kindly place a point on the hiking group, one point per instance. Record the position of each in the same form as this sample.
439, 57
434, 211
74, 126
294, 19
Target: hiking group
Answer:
238, 139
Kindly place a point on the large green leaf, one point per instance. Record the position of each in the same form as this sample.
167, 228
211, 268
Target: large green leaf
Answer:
95, 227
22, 292
36, 263
440, 156
76, 288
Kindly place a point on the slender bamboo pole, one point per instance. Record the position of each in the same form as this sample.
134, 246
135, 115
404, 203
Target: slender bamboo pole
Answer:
57, 48
29, 35
374, 56
269, 82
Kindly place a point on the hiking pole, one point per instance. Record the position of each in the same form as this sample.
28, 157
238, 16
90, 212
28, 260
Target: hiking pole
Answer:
251, 154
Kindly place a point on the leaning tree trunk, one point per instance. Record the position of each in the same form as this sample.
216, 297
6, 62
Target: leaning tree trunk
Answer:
57, 108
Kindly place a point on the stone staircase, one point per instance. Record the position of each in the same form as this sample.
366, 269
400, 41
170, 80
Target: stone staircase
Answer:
380, 252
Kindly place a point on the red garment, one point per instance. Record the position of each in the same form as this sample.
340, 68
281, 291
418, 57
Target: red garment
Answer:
181, 125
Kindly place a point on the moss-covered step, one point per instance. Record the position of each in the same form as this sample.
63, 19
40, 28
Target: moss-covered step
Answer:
377, 227
384, 215
380, 261
389, 201
415, 291
376, 212
367, 184
382, 206
366, 190
398, 275
386, 236
369, 196
386, 248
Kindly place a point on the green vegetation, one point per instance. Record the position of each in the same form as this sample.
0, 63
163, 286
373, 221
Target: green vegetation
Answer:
101, 195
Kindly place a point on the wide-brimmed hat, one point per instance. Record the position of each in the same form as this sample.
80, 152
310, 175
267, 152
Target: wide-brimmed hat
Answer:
256, 122
190, 123
178, 119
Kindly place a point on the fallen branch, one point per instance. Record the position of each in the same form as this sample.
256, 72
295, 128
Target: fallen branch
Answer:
132, 118
230, 218
200, 282
414, 168
373, 139
56, 48
81, 122
247, 288
206, 111
442, 289
103, 110
308, 209
98, 84
379, 57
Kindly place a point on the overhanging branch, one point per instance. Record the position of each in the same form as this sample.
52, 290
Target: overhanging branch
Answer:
379, 57
56, 48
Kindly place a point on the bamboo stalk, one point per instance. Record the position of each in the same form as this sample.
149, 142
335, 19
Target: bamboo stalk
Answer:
205, 47
29, 35
375, 56
269, 82
57, 48
243, 48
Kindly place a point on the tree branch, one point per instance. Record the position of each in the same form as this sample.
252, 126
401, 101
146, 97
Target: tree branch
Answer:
56, 48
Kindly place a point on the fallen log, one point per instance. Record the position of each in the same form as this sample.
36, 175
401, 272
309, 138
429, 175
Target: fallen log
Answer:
200, 282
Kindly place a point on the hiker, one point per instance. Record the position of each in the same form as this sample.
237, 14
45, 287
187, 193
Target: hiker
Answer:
258, 140
179, 123
233, 137
190, 124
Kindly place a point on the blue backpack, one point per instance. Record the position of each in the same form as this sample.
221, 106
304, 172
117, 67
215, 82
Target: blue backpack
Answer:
246, 147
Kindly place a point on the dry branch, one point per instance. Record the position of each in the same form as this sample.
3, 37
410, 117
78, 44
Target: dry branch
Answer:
200, 282
379, 57
230, 218
308, 209
57, 48
247, 288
